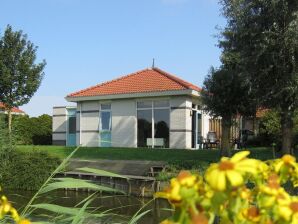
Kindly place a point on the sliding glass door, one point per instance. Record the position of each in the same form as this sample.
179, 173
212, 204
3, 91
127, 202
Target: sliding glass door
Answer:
153, 123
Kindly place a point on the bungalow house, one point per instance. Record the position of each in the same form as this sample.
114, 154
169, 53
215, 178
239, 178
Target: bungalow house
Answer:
148, 108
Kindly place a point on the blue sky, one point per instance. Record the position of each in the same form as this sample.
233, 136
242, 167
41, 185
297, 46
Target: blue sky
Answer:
88, 42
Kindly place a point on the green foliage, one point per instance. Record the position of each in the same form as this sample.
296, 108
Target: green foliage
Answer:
174, 167
190, 164
35, 130
264, 35
20, 77
225, 93
6, 145
26, 170
270, 128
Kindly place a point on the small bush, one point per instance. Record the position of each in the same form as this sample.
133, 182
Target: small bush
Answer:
27, 171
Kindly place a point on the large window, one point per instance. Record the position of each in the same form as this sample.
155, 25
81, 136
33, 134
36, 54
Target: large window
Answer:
105, 125
157, 113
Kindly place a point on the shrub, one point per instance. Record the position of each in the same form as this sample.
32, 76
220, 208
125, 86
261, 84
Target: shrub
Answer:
27, 170
175, 166
189, 164
270, 128
34, 130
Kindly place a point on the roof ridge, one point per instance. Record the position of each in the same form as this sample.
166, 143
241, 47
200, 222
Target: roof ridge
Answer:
175, 78
107, 82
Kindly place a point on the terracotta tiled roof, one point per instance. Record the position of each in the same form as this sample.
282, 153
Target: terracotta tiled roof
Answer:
261, 112
14, 109
147, 80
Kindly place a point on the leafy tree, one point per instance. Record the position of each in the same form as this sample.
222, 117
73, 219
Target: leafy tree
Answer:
20, 76
225, 95
265, 34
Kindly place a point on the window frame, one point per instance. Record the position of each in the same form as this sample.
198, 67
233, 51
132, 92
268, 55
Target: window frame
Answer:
101, 110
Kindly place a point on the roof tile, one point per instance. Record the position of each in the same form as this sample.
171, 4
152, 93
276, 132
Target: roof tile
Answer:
147, 80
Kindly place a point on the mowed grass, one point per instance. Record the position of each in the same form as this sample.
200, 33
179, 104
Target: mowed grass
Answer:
206, 155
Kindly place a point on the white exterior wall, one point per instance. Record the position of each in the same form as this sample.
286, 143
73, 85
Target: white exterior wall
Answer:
89, 115
124, 123
205, 124
59, 126
180, 122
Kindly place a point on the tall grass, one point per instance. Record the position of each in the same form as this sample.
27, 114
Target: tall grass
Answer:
82, 212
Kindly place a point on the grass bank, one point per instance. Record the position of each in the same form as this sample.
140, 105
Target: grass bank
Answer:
167, 155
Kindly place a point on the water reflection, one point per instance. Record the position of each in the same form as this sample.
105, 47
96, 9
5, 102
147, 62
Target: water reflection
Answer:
124, 206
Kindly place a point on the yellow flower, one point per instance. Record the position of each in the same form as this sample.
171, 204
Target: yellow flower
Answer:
231, 171
185, 185
199, 218
286, 161
288, 210
272, 194
252, 214
24, 221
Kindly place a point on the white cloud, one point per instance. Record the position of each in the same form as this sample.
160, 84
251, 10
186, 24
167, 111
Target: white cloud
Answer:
39, 105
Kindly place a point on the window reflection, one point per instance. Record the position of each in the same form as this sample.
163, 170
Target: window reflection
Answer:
161, 119
144, 127
161, 127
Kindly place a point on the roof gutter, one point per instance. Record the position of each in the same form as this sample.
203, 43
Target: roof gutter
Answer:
188, 92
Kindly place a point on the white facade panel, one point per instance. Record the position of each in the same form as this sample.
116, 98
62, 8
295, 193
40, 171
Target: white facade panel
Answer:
124, 123
59, 123
178, 140
90, 121
178, 101
90, 105
59, 136
90, 139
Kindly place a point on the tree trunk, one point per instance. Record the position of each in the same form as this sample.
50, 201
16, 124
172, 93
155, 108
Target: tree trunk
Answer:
9, 120
287, 131
225, 137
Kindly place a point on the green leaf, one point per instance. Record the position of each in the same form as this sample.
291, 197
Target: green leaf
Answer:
57, 208
101, 172
62, 183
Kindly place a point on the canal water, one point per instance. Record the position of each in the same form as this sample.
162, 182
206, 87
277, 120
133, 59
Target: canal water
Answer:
122, 206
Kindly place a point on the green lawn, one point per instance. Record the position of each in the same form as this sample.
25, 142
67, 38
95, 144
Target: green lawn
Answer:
143, 153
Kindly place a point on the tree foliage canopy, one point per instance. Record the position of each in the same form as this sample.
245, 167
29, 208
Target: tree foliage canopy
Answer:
264, 34
20, 76
225, 94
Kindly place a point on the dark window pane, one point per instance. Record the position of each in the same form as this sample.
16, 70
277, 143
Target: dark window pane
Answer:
106, 106
161, 127
144, 104
161, 103
144, 127
105, 120
71, 125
